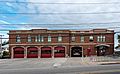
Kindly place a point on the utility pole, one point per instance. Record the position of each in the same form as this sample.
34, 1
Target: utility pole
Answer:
1, 42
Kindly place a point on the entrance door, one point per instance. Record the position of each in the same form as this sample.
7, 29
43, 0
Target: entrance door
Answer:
46, 52
59, 52
76, 52
101, 51
18, 52
32, 52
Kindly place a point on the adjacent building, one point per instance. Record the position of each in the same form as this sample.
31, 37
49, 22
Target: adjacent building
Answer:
44, 43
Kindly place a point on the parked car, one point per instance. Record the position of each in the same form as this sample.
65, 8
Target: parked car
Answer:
1, 54
5, 55
117, 53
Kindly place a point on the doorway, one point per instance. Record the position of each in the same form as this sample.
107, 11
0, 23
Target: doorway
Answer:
76, 52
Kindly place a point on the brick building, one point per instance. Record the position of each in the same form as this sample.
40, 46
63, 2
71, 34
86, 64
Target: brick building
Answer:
43, 43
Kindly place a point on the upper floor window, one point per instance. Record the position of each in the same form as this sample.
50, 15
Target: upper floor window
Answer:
38, 38
91, 38
42, 38
49, 38
73, 38
82, 39
18, 38
101, 38
29, 38
59, 38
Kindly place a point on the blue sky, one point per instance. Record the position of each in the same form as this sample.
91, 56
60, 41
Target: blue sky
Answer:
59, 19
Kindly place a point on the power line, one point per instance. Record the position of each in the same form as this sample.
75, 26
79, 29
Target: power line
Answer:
59, 2
65, 29
58, 24
63, 25
75, 13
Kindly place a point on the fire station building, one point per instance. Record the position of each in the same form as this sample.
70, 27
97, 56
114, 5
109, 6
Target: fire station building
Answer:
43, 43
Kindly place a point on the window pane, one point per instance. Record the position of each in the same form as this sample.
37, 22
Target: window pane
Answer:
59, 51
49, 38
36, 38
29, 39
82, 39
32, 52
19, 52
18, 39
98, 38
59, 39
103, 38
39, 38
91, 38
46, 52
42, 39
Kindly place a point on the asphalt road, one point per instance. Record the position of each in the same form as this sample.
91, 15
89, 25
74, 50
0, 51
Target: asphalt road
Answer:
101, 69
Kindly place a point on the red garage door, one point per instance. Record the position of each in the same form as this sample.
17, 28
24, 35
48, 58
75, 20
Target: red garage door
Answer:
18, 52
59, 52
32, 52
46, 52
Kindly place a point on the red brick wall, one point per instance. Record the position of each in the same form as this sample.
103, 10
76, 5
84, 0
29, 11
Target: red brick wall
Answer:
66, 38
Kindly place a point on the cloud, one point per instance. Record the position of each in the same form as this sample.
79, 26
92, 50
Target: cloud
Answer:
72, 8
61, 19
9, 4
4, 22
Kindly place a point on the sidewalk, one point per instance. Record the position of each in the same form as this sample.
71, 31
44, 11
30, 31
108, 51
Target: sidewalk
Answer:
56, 62
90, 61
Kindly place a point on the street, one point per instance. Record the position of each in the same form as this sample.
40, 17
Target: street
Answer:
55, 66
64, 70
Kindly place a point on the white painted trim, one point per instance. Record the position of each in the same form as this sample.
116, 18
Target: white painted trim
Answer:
12, 53
25, 52
53, 52
42, 44
63, 44
39, 52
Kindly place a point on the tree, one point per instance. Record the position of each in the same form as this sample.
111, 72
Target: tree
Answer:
5, 43
6, 54
118, 37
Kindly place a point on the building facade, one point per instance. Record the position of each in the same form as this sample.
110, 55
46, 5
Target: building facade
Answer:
43, 43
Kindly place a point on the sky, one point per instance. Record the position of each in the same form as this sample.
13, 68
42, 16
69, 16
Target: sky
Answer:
59, 21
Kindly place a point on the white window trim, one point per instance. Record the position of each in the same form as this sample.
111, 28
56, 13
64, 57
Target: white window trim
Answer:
59, 38
42, 38
82, 39
73, 38
49, 38
18, 39
29, 38
91, 38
